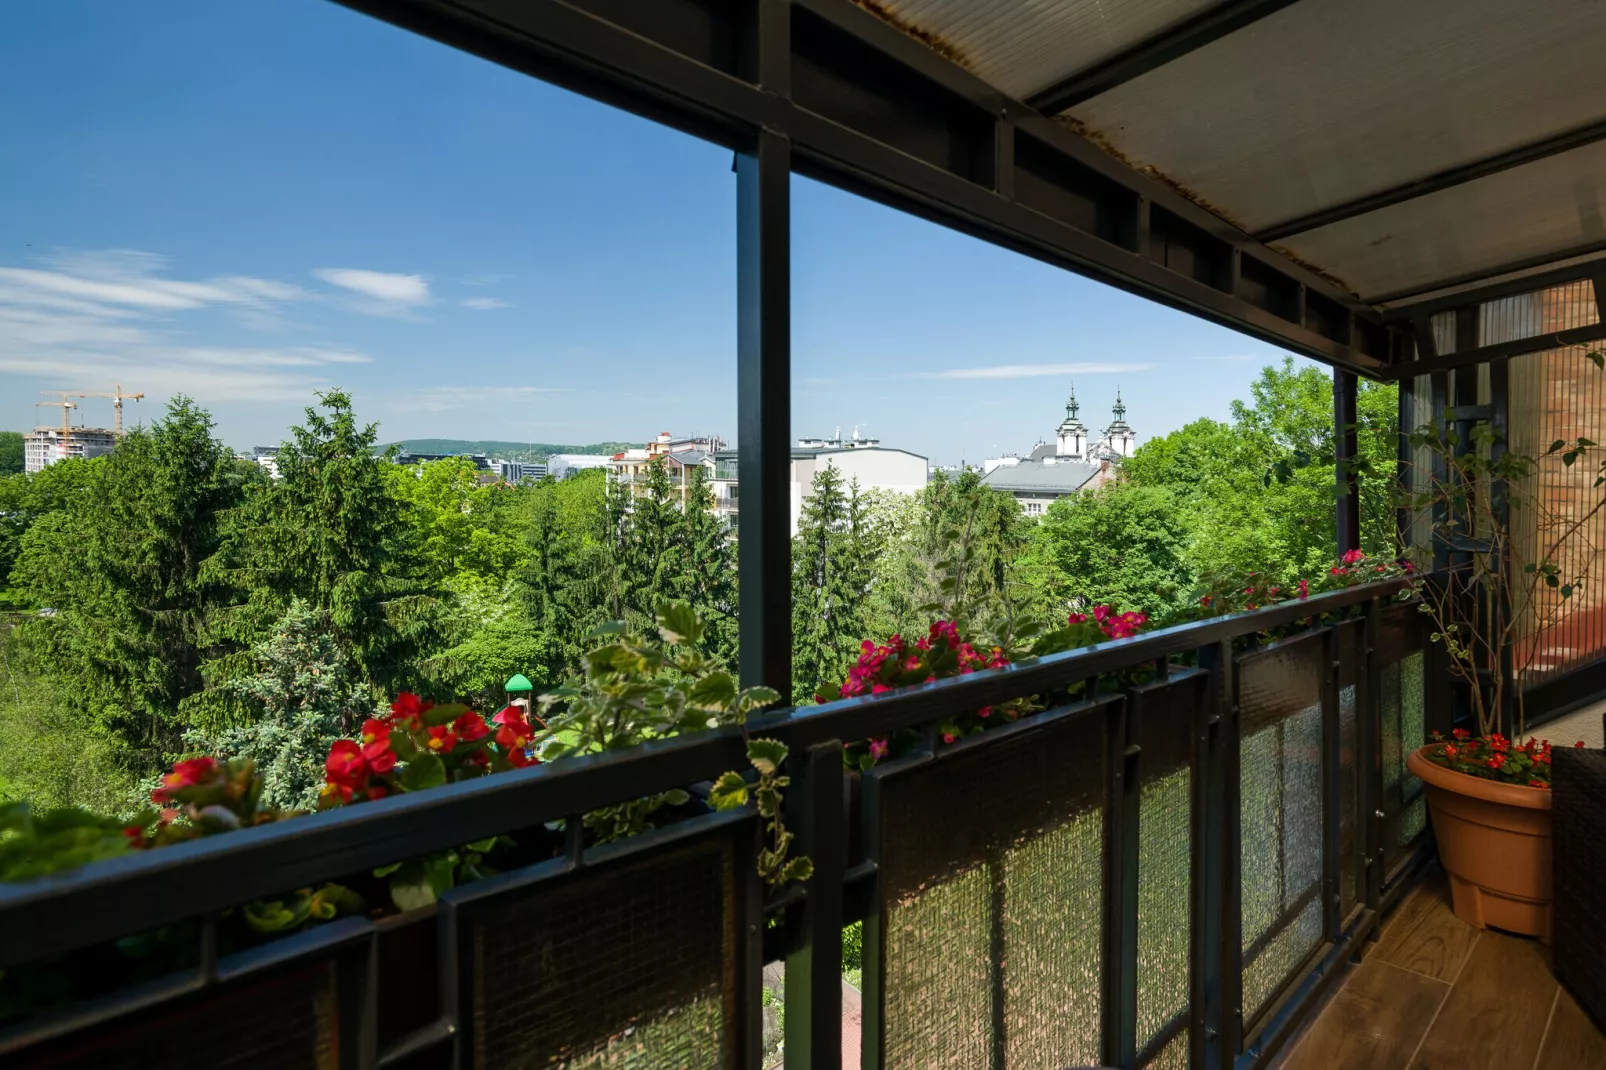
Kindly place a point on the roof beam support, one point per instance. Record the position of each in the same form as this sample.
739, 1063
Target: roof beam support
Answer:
869, 108
1467, 305
1157, 51
1448, 179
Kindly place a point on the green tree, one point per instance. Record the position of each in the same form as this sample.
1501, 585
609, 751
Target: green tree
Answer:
11, 453
654, 537
332, 532
1122, 545
707, 580
832, 555
122, 565
304, 696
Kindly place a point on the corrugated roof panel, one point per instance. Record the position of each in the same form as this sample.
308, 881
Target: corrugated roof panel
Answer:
1555, 203
1024, 46
1329, 100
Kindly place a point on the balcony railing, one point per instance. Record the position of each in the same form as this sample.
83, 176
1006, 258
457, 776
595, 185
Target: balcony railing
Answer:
1166, 873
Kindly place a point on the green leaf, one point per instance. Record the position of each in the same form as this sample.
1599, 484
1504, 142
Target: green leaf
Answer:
754, 698
424, 771
1566, 590
766, 755
729, 792
678, 624
798, 869
714, 692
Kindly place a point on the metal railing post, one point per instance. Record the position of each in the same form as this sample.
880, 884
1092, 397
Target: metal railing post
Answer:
816, 811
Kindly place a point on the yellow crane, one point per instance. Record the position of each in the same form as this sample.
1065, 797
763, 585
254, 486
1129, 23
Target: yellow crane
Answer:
66, 409
117, 404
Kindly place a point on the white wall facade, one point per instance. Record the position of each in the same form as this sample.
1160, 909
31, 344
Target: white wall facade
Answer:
876, 468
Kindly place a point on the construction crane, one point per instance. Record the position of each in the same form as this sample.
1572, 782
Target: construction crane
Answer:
66, 428
117, 404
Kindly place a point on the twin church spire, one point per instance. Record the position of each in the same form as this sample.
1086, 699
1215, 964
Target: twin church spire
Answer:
1071, 439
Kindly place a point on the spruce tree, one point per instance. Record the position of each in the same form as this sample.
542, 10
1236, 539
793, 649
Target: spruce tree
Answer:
123, 563
707, 578
655, 539
831, 565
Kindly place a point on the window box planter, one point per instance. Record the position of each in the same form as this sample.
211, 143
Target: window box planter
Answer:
1494, 842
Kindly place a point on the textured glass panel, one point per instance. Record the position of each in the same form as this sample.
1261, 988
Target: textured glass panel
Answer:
1413, 733
1348, 868
1283, 953
1281, 832
625, 967
1174, 1056
1053, 902
285, 1023
939, 976
1165, 849
992, 872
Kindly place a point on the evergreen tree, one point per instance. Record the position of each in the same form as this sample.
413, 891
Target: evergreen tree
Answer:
652, 558
11, 453
707, 578
831, 569
304, 696
122, 563
331, 531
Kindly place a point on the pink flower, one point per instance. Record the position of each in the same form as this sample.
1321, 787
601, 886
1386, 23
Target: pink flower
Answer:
879, 749
1304, 589
1352, 556
948, 737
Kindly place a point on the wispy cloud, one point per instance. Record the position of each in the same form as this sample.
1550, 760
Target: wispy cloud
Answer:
453, 398
485, 304
86, 318
1031, 371
403, 291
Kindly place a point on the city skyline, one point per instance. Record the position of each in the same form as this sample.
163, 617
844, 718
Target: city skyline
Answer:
475, 254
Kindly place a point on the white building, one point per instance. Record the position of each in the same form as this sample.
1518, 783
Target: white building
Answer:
876, 467
1068, 465
266, 458
564, 465
517, 471
46, 445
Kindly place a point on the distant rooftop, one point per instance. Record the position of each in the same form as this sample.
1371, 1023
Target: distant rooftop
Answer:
1059, 477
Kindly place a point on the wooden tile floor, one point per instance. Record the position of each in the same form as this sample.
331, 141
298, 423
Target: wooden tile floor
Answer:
1434, 993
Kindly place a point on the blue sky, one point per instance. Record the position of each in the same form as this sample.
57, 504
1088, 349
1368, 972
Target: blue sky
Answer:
253, 200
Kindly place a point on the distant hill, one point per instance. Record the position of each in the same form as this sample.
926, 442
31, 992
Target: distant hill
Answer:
507, 451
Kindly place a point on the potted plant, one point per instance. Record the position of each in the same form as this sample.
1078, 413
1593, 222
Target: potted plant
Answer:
1490, 801
1509, 577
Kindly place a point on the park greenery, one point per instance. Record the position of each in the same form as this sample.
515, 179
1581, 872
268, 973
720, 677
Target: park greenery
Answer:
169, 600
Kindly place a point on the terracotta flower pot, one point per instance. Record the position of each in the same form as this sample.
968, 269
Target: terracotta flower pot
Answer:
1494, 842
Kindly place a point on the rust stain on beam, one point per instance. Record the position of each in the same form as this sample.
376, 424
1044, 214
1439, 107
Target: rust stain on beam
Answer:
946, 49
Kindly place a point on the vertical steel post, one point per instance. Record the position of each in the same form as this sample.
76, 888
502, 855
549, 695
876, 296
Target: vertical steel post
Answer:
1332, 795
816, 811
1119, 997
1345, 447
1369, 763
764, 409
1403, 476
1216, 957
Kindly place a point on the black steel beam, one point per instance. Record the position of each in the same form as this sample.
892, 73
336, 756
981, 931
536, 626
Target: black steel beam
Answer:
1346, 447
897, 122
1185, 37
1499, 351
1498, 271
1436, 183
764, 412
1594, 270
814, 970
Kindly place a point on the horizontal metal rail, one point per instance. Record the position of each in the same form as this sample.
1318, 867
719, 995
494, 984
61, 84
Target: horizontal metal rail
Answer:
117, 897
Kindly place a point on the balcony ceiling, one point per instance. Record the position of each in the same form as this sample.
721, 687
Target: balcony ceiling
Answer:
1393, 146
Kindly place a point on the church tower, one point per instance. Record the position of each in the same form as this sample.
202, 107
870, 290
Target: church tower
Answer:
1119, 436
1071, 438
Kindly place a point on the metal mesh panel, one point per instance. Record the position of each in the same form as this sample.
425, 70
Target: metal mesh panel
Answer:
630, 966
285, 1023
1165, 850
1280, 781
992, 873
1558, 394
1404, 712
1174, 1056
